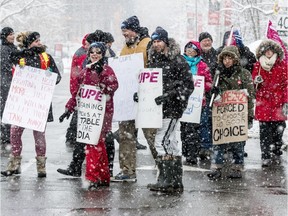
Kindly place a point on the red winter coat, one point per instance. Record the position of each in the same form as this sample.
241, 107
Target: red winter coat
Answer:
272, 93
106, 78
77, 62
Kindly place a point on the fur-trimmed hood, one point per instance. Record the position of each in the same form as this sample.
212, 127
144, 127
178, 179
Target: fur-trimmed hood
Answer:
230, 51
173, 50
272, 45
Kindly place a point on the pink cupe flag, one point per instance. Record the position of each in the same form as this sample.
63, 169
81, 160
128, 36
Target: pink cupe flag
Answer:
273, 35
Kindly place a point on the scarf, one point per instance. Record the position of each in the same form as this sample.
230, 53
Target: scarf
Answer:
192, 62
267, 63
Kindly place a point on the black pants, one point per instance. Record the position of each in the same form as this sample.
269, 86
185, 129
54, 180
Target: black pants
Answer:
71, 133
271, 134
190, 137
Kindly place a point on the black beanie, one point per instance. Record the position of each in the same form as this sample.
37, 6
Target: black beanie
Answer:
5, 32
204, 35
99, 45
160, 34
31, 38
131, 23
97, 36
108, 37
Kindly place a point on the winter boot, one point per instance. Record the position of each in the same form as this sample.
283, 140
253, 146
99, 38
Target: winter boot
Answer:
41, 166
165, 178
178, 174
13, 167
215, 174
110, 148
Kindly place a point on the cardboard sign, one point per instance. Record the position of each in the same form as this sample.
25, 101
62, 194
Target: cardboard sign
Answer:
29, 98
193, 111
149, 114
230, 118
126, 68
91, 110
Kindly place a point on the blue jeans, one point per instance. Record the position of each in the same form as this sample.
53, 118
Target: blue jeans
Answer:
206, 127
237, 150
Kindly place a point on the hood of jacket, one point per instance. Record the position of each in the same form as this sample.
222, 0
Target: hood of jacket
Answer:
230, 51
269, 45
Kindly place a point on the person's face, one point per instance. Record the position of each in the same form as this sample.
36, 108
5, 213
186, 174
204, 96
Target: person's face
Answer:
190, 52
36, 43
269, 53
228, 61
95, 54
206, 44
159, 45
10, 38
86, 45
129, 35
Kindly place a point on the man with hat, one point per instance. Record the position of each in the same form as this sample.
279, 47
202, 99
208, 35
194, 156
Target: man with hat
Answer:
7, 47
136, 39
209, 55
177, 87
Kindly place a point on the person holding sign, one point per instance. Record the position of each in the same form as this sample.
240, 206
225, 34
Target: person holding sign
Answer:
97, 73
232, 122
270, 79
177, 87
33, 54
190, 132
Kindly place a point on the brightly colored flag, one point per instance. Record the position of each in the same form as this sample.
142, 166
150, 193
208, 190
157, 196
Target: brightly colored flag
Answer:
273, 35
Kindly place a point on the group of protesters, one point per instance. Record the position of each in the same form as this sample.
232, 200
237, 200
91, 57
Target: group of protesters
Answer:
230, 67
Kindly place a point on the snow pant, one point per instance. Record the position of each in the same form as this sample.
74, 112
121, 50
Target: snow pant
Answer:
190, 139
71, 133
16, 142
97, 169
237, 150
271, 134
79, 154
127, 145
165, 140
206, 127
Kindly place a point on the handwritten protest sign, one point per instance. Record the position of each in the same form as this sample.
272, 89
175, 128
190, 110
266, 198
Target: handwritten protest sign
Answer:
149, 114
193, 111
126, 68
230, 118
91, 109
29, 98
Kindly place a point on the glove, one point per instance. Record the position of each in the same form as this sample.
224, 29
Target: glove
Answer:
215, 90
135, 97
285, 109
258, 79
250, 122
238, 39
66, 115
159, 100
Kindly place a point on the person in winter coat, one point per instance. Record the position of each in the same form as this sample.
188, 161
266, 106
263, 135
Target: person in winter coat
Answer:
190, 132
78, 157
209, 56
232, 77
7, 47
32, 55
271, 84
247, 58
136, 39
177, 88
98, 73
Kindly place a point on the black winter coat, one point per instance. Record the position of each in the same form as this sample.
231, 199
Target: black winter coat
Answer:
177, 79
32, 59
6, 71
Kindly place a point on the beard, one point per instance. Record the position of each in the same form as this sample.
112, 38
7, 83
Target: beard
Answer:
131, 41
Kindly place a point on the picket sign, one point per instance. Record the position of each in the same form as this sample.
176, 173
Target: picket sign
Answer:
192, 113
29, 98
149, 114
91, 106
230, 118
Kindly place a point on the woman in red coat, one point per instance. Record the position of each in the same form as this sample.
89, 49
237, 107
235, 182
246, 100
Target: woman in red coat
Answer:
98, 73
191, 133
271, 84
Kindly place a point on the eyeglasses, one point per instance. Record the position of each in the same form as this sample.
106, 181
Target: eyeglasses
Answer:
96, 52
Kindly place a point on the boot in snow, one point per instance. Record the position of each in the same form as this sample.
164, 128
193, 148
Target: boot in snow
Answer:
41, 166
13, 167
